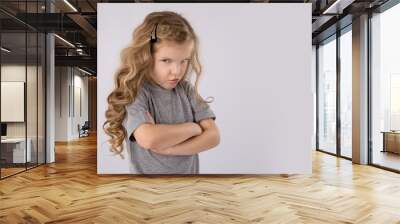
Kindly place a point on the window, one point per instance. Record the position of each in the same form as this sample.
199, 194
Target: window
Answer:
385, 88
327, 96
346, 93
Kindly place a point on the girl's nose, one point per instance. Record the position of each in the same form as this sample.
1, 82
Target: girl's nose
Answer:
176, 69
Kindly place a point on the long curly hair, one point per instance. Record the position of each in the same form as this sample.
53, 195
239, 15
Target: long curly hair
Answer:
137, 63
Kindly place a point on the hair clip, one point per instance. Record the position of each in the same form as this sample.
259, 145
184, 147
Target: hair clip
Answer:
153, 39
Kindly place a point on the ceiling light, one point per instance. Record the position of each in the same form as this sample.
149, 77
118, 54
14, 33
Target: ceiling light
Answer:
64, 40
331, 7
338, 6
70, 5
86, 72
5, 49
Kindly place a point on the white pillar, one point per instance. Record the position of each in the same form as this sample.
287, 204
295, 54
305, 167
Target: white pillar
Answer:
360, 90
50, 93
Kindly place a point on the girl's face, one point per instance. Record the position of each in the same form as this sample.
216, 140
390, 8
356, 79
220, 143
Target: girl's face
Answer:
171, 61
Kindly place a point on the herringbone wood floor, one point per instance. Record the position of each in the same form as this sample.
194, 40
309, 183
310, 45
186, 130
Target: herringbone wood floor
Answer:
70, 191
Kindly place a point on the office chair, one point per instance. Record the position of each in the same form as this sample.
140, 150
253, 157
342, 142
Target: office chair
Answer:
84, 130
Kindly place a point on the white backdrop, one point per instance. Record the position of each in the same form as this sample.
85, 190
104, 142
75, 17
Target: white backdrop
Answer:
12, 101
257, 65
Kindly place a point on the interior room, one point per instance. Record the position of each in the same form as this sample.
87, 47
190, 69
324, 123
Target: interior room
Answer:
49, 151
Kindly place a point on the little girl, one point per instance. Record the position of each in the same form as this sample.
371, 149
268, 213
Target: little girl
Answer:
154, 108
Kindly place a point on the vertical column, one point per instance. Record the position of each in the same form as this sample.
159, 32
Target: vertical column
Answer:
92, 99
50, 92
360, 90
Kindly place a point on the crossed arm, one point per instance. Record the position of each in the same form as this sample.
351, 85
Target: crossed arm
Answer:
178, 139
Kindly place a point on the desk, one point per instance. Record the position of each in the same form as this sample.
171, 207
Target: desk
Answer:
15, 148
391, 141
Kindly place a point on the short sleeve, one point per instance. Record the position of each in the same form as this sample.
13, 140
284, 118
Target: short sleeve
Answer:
136, 114
201, 110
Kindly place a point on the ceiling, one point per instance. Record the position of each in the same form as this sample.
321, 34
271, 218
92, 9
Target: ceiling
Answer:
76, 22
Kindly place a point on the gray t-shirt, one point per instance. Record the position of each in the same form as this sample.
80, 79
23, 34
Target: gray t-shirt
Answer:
175, 106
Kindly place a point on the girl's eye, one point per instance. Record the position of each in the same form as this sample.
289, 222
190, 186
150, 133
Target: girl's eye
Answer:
166, 60
185, 61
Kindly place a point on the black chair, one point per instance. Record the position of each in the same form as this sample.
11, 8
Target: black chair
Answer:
84, 130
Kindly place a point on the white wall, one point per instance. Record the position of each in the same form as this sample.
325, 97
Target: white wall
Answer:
61, 103
81, 84
12, 101
14, 72
257, 66
69, 79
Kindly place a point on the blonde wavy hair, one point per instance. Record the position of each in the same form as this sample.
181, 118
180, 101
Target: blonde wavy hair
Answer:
137, 63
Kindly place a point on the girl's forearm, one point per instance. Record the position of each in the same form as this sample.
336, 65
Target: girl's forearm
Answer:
207, 140
167, 135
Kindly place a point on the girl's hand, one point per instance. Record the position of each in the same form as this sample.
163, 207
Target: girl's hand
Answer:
196, 129
150, 117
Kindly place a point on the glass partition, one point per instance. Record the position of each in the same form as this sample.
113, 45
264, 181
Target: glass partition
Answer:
327, 96
22, 77
13, 98
32, 95
385, 89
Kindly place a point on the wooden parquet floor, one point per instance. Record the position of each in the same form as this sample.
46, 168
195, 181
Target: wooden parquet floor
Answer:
70, 191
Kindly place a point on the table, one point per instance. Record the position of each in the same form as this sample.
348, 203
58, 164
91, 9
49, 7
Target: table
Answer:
391, 141
13, 150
